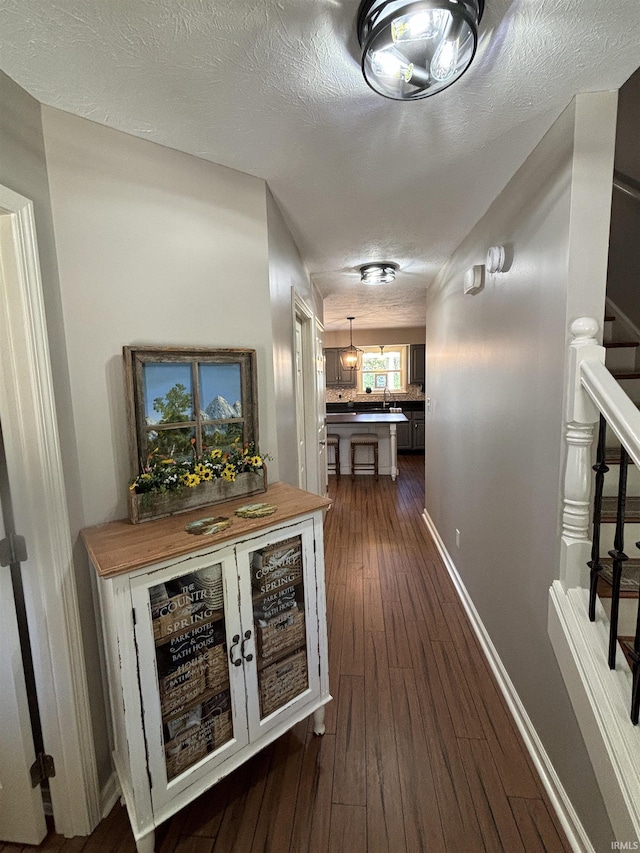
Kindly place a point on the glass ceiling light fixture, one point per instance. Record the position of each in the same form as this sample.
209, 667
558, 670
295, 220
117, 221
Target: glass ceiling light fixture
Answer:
411, 50
351, 357
380, 273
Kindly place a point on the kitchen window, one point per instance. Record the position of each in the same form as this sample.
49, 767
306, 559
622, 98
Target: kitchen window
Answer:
384, 367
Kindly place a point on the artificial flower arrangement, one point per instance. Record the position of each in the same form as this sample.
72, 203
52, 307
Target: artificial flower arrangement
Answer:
163, 474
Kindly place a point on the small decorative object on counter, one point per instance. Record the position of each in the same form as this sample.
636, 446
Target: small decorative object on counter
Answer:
255, 510
208, 526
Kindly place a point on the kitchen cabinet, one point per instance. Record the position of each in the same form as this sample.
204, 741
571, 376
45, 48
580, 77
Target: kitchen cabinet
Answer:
416, 363
334, 374
214, 645
411, 435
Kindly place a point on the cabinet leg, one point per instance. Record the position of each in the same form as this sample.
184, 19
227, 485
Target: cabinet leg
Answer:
147, 843
318, 721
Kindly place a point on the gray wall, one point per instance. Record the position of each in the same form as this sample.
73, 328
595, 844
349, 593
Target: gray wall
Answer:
495, 374
154, 247
286, 271
23, 169
151, 246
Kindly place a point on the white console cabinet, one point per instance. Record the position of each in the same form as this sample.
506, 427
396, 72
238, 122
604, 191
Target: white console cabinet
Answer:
214, 645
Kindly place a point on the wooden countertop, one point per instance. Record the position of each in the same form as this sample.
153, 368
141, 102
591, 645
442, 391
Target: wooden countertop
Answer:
118, 547
366, 418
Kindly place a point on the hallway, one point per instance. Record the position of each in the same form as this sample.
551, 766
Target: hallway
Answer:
420, 751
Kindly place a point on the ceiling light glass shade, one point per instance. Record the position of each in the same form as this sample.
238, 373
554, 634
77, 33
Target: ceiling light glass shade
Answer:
351, 357
377, 273
413, 50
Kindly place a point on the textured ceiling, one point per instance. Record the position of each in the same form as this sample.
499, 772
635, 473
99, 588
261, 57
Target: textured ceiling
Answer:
273, 88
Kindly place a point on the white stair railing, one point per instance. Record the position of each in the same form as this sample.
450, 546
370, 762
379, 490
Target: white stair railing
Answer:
600, 696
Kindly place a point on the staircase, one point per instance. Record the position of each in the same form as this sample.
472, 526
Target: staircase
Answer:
623, 360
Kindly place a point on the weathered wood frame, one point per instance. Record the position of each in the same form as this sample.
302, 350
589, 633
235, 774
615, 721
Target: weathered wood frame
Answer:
135, 359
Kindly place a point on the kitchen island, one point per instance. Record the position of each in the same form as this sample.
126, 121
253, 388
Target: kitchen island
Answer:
383, 424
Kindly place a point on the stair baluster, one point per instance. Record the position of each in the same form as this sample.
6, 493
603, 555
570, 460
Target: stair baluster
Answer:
601, 469
634, 654
618, 556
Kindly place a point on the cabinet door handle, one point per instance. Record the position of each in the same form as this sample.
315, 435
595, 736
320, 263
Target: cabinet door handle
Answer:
236, 642
247, 636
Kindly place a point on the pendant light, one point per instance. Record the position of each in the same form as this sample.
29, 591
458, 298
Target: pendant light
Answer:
411, 50
351, 357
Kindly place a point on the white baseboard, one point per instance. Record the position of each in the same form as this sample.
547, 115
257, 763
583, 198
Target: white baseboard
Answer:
567, 816
109, 795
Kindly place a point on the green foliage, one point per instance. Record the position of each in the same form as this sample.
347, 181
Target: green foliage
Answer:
170, 443
175, 406
167, 474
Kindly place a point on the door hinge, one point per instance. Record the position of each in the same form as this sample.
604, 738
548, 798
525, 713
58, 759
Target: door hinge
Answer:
41, 769
13, 549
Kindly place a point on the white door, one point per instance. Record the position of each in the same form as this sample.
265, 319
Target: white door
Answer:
321, 411
38, 502
21, 809
300, 406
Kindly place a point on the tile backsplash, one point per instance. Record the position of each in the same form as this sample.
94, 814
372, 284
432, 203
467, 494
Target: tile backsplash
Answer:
343, 395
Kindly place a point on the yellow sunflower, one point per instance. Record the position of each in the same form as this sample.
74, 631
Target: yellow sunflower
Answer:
229, 474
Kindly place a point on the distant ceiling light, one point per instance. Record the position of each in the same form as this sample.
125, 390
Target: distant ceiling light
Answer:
411, 50
381, 273
351, 357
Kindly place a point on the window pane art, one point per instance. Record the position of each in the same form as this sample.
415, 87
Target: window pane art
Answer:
168, 393
220, 390
190, 412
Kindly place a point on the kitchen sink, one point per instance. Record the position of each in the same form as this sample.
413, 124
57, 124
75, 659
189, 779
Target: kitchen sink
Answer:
365, 409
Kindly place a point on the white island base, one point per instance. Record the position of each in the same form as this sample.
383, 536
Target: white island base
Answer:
383, 425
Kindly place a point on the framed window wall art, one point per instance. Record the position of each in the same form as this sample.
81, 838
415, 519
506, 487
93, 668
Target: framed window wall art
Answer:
193, 428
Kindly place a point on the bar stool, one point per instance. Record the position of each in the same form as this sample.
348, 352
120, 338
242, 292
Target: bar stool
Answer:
364, 439
333, 440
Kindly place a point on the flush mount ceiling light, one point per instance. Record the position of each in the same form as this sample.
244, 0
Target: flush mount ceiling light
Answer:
380, 273
413, 50
351, 357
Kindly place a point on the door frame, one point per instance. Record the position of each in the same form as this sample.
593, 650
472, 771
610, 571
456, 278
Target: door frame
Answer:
34, 466
301, 311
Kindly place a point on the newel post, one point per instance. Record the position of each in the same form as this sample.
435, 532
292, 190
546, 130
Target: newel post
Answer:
582, 417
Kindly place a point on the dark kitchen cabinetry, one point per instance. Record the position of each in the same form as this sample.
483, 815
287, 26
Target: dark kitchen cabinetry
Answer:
334, 375
416, 363
410, 435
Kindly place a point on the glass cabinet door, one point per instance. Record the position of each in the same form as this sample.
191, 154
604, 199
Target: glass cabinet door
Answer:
284, 620
194, 705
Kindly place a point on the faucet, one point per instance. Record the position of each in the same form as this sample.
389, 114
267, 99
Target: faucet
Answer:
384, 402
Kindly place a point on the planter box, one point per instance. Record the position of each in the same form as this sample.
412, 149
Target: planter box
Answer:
152, 505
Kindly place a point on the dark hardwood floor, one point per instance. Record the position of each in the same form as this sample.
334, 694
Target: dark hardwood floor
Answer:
420, 752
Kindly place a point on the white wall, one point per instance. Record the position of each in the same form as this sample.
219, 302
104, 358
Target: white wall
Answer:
154, 247
495, 374
286, 271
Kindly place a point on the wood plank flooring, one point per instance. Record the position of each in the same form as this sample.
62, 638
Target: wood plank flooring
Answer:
420, 752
